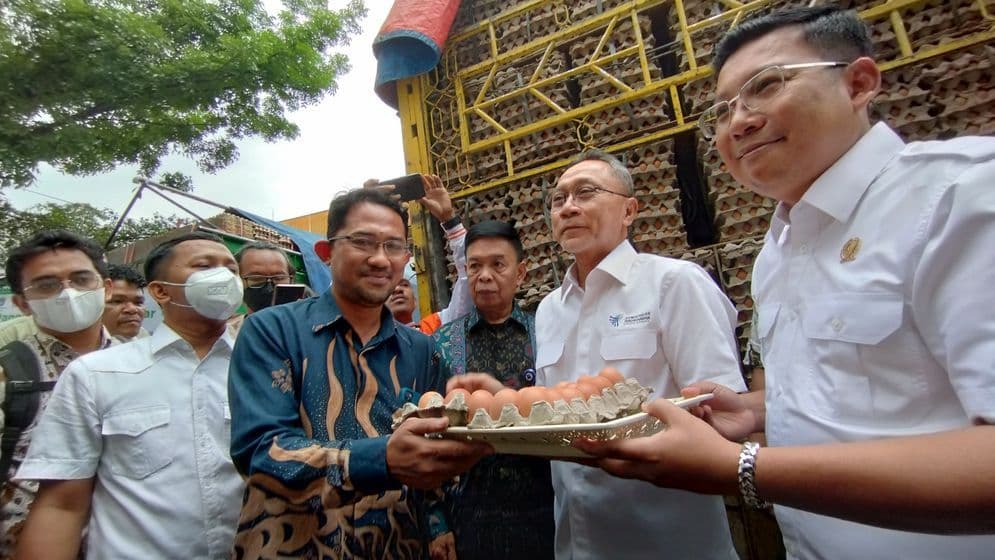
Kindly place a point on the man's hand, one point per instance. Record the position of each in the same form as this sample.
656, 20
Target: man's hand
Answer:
688, 454
443, 547
423, 463
727, 411
474, 381
436, 198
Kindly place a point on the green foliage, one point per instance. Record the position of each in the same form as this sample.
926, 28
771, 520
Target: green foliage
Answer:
16, 226
86, 85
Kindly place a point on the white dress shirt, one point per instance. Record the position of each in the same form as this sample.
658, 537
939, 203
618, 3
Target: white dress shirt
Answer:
875, 318
665, 323
150, 420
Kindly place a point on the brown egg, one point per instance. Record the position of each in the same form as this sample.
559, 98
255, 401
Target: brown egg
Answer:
571, 392
528, 396
612, 375
479, 399
501, 398
553, 395
563, 384
602, 382
588, 386
451, 394
425, 398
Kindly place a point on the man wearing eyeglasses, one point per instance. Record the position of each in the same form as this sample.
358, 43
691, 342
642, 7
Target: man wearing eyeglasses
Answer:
661, 321
263, 266
873, 311
313, 385
58, 279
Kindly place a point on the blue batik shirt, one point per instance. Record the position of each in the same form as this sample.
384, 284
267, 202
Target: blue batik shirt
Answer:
311, 413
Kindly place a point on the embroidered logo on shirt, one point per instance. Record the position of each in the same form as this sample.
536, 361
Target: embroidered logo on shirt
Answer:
282, 380
850, 250
620, 320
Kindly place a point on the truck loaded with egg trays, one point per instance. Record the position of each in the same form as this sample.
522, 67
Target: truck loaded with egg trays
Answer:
524, 85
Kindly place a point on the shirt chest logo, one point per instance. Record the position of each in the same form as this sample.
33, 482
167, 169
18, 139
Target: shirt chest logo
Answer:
850, 249
632, 320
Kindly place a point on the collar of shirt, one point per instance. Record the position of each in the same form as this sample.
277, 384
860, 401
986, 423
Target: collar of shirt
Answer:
164, 337
616, 264
48, 342
838, 190
327, 307
517, 315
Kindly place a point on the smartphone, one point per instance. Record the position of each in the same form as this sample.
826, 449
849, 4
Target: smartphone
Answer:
286, 293
409, 187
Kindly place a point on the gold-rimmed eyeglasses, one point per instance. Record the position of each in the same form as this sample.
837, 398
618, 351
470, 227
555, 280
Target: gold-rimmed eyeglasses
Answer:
753, 95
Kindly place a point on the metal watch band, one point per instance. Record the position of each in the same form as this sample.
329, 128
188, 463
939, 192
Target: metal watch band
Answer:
747, 476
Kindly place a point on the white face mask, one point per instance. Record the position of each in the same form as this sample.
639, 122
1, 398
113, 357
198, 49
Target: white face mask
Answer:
70, 311
214, 293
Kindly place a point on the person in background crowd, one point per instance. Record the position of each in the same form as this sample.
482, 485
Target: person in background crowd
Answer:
440, 205
402, 300
873, 302
59, 280
262, 266
313, 387
503, 507
125, 307
134, 443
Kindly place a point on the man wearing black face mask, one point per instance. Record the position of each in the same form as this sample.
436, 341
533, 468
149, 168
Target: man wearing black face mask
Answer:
137, 437
262, 266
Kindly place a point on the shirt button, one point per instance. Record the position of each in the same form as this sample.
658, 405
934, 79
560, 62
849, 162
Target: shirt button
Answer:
837, 324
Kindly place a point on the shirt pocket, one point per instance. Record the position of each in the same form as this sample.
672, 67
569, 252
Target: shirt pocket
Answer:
548, 353
636, 344
764, 317
138, 442
842, 329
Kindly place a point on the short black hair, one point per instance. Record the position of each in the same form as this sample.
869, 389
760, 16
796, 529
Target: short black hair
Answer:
343, 203
127, 274
618, 169
154, 263
838, 34
495, 228
264, 246
50, 240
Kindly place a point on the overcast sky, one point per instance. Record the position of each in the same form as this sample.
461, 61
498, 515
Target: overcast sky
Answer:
343, 140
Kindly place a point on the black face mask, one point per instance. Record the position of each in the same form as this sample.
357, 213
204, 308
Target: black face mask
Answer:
258, 298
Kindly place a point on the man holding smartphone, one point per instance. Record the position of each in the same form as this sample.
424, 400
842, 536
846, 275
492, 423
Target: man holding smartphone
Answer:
435, 198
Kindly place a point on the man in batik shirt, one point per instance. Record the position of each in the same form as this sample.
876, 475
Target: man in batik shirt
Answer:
313, 385
59, 280
503, 507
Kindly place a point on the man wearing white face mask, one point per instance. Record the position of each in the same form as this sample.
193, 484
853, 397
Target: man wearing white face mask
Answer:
58, 279
137, 437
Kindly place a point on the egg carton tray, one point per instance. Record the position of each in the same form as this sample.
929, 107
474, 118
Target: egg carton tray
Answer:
554, 441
